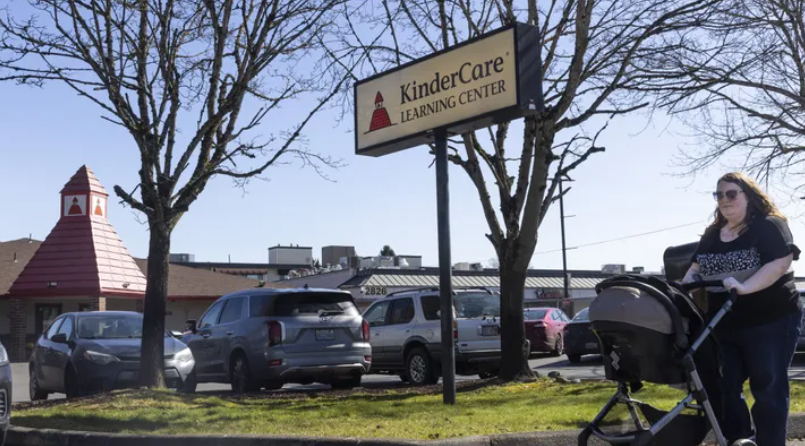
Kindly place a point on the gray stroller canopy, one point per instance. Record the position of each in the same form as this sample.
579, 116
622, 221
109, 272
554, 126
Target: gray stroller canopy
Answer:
634, 307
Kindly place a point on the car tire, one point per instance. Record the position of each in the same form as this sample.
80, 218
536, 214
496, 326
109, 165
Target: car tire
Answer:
419, 368
558, 346
72, 388
488, 374
346, 383
190, 383
574, 359
242, 381
273, 384
34, 391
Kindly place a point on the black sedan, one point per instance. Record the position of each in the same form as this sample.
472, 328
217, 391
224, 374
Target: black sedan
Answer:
89, 352
579, 339
5, 394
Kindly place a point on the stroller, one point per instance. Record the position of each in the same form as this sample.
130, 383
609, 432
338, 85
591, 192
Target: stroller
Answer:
651, 331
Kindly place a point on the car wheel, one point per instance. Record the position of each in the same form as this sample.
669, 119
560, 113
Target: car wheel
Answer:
242, 381
190, 383
346, 383
35, 393
488, 375
419, 368
574, 359
558, 346
72, 388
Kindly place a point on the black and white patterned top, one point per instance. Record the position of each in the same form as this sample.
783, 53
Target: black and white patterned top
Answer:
765, 240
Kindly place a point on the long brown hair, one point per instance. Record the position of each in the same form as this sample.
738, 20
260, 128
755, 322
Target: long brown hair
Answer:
758, 203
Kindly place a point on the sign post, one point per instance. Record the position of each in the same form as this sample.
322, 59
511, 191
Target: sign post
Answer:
493, 78
445, 269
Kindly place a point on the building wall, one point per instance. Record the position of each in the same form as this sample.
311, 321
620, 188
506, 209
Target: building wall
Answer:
290, 256
332, 254
5, 317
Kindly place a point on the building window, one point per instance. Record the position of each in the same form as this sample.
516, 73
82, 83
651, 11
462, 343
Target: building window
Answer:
84, 307
45, 315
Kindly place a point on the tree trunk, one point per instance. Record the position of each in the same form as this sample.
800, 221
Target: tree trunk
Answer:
514, 361
156, 294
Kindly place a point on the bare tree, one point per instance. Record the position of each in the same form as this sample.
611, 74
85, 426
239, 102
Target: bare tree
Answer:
179, 77
739, 82
588, 48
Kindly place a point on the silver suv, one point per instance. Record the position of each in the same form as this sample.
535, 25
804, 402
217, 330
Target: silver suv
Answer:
264, 338
406, 334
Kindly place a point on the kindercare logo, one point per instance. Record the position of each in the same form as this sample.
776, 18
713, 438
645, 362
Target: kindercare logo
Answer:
414, 103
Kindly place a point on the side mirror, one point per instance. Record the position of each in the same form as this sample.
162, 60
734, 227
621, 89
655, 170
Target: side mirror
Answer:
190, 326
60, 338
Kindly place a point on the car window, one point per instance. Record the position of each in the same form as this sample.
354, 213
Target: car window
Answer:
554, 315
314, 303
54, 328
534, 315
376, 316
101, 326
584, 315
402, 311
477, 305
430, 307
232, 310
261, 306
66, 328
211, 317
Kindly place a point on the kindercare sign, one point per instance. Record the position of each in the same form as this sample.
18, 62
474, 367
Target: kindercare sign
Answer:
493, 78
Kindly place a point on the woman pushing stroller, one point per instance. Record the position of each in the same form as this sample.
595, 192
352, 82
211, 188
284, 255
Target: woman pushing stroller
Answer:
750, 248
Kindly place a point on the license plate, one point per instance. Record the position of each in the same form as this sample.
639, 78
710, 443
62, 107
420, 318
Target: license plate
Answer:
490, 330
591, 345
325, 335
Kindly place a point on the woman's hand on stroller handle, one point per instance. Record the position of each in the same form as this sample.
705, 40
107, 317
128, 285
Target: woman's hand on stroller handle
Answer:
700, 283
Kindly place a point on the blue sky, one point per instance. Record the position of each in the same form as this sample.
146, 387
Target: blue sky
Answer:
49, 133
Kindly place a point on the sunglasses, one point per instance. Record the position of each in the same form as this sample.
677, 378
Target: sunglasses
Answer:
730, 194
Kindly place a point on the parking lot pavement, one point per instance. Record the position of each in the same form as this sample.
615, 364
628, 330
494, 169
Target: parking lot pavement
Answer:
591, 367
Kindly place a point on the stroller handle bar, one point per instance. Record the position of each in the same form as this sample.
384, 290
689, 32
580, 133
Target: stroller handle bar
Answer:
707, 284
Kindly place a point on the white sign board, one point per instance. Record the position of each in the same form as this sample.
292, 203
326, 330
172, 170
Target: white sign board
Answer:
489, 79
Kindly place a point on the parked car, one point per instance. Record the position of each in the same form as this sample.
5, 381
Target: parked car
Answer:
99, 351
579, 339
5, 394
264, 338
543, 328
406, 334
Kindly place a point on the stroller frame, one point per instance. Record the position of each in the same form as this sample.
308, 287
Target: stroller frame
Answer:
696, 391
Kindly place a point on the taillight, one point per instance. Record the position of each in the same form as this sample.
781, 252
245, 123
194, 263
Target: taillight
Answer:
274, 333
455, 330
366, 332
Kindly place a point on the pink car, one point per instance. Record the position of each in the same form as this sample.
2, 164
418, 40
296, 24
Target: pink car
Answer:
543, 328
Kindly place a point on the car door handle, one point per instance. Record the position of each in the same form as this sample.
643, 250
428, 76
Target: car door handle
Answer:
205, 335
230, 333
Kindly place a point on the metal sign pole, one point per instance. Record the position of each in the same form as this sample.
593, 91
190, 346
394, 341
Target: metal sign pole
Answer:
445, 269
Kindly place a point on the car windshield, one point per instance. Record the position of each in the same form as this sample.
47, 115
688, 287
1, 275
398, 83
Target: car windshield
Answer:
111, 327
583, 316
534, 315
475, 305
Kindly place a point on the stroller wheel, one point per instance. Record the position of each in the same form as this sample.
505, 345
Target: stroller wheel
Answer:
744, 443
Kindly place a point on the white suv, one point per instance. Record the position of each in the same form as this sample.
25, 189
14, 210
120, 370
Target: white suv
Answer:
406, 334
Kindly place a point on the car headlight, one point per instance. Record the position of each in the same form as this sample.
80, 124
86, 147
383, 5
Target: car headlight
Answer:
184, 356
3, 356
100, 358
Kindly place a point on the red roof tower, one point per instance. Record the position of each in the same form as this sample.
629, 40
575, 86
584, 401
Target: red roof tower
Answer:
82, 255
380, 117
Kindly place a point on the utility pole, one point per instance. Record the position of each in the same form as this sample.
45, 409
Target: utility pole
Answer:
564, 248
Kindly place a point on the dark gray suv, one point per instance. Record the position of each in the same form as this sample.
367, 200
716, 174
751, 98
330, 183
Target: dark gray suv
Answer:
264, 338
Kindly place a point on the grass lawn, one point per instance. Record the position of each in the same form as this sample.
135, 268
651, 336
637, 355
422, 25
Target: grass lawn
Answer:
537, 406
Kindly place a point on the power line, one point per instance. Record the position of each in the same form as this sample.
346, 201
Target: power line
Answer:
623, 238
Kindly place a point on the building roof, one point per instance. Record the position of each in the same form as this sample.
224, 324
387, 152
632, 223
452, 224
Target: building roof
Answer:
240, 268
82, 255
14, 255
183, 282
187, 283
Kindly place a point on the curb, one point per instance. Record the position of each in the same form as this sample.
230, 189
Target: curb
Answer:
20, 436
